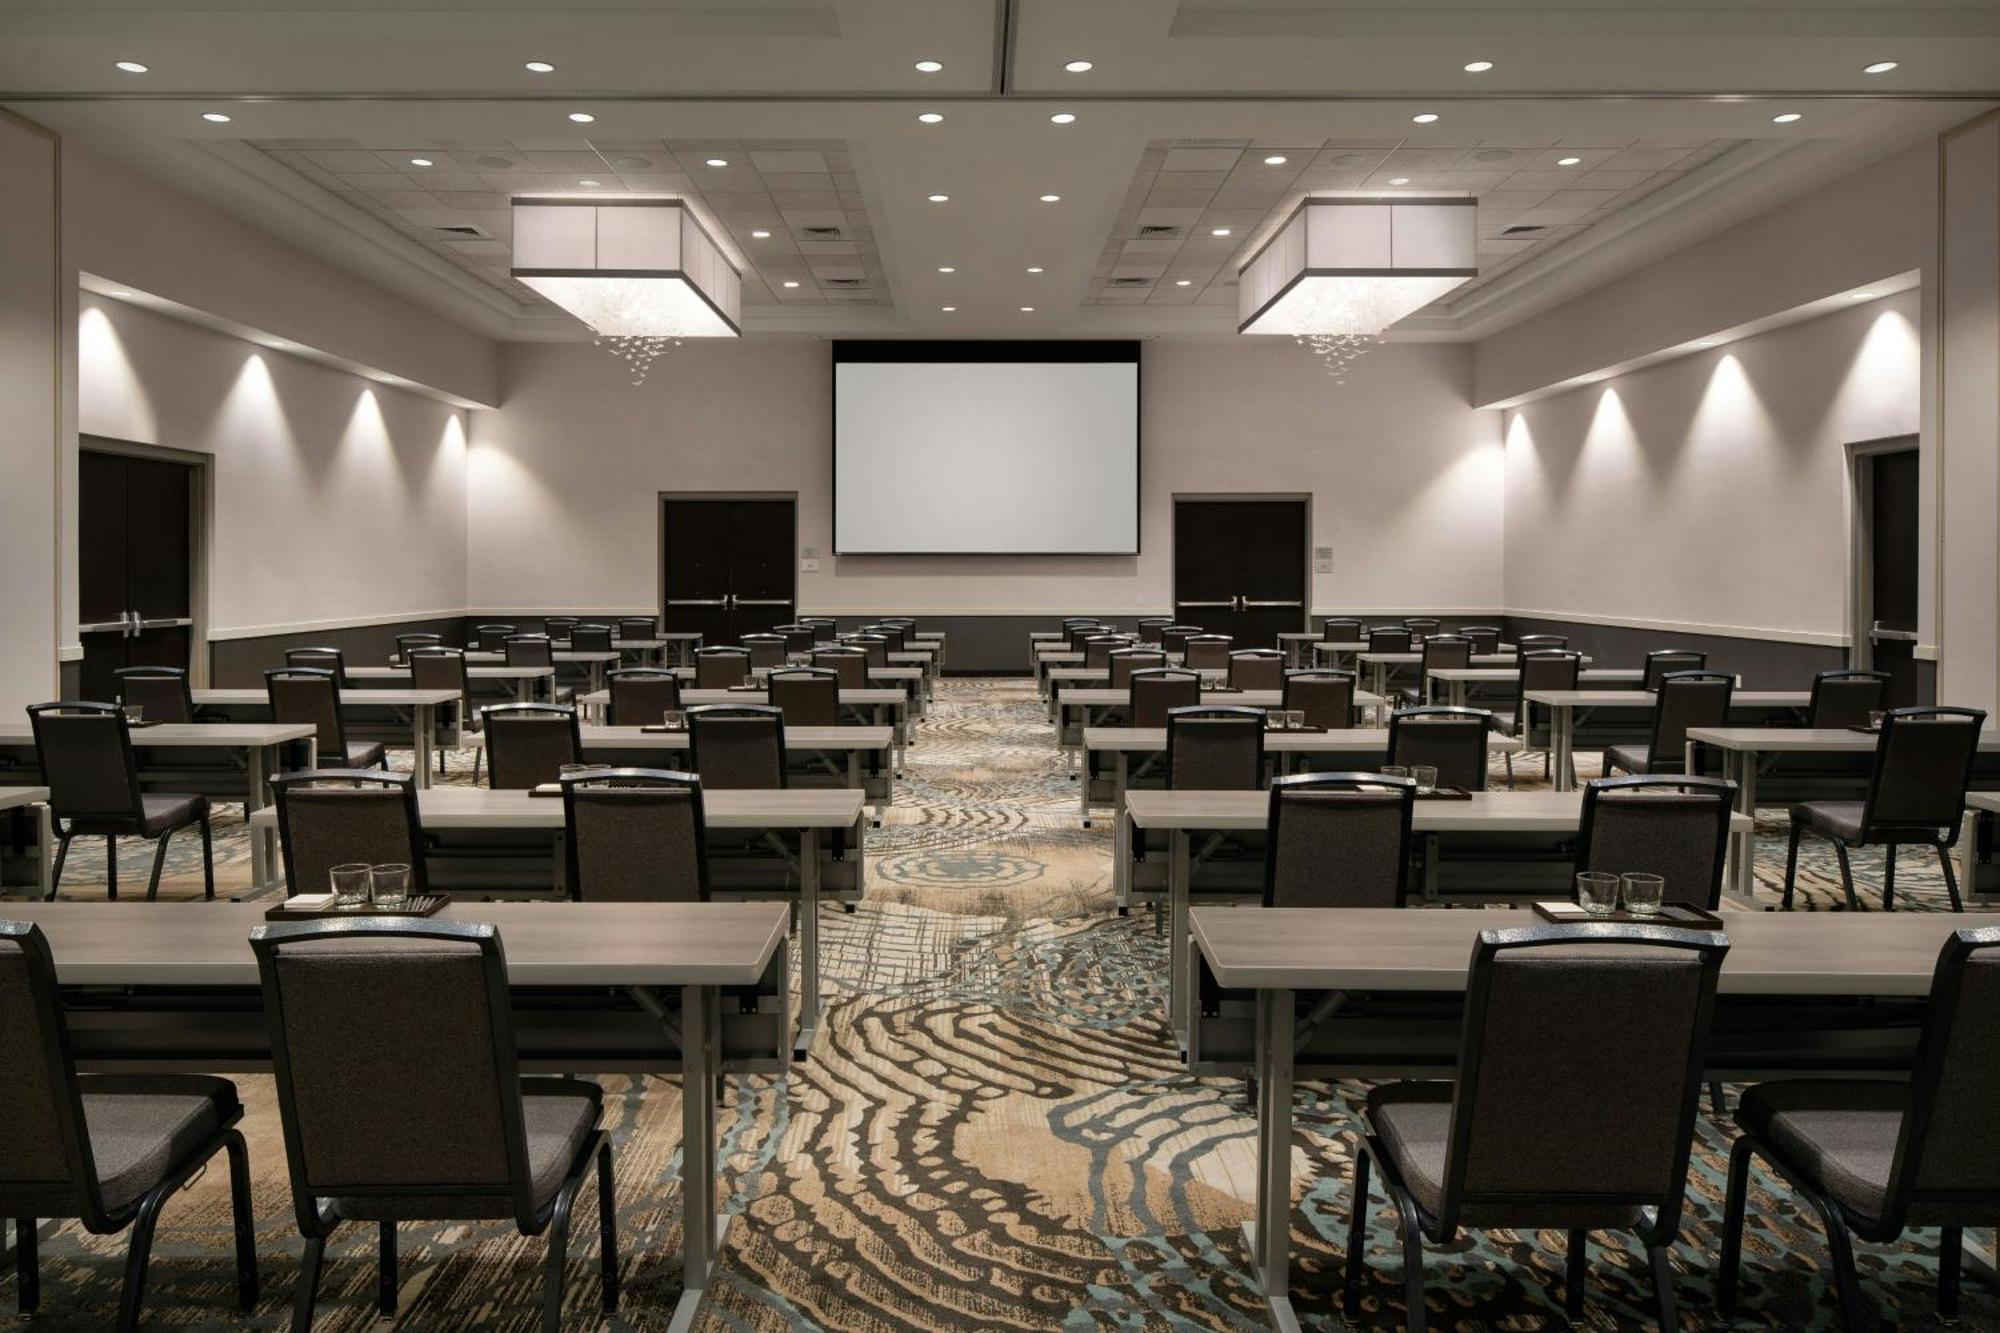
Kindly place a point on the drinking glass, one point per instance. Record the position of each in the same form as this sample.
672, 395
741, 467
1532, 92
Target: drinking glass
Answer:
349, 883
135, 713
1644, 893
389, 885
1426, 776
1597, 892
1394, 771
1875, 717
674, 720
750, 681
571, 770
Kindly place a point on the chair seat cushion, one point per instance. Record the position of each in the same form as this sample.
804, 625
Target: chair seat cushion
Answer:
170, 810
144, 1127
1836, 819
363, 754
1413, 1122
1842, 1135
1631, 758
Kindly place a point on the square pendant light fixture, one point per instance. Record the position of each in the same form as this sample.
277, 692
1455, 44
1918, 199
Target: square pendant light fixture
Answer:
1355, 266
629, 268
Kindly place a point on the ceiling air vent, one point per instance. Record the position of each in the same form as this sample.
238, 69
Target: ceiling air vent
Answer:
1155, 231
1131, 282
845, 282
1523, 231
466, 231
824, 233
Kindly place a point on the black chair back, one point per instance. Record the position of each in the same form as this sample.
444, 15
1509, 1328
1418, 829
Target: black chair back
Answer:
1257, 669
720, 667
766, 650
1152, 627
1215, 749
631, 628
823, 627
1339, 840
1445, 651
531, 650
1423, 627
1542, 669
310, 695
635, 835
1451, 740
1325, 697
1674, 826
737, 746
1097, 650
1686, 699
527, 744
409, 643
325, 659
895, 631
493, 638
1390, 639
1124, 661
558, 627
1485, 638
1665, 661
799, 638
590, 639
1174, 638
1342, 629
85, 753
439, 669
641, 696
1947, 1162
850, 665
807, 696
1923, 765
872, 646
1158, 691
1541, 643
1206, 652
333, 816
161, 690
1846, 698
1075, 632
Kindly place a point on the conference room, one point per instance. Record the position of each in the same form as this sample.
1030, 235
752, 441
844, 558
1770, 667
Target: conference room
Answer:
1000, 665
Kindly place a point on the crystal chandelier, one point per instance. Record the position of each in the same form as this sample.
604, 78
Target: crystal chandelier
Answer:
642, 273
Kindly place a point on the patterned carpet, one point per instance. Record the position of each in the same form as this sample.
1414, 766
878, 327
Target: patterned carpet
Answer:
994, 1131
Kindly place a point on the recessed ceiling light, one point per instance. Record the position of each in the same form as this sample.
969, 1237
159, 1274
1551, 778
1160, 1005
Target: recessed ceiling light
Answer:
422, 162
948, 309
1568, 161
1183, 282
1079, 66
1051, 198
1063, 118
588, 182
929, 66
215, 117
131, 67
1478, 66
1219, 231
940, 198
1399, 180
760, 235
1424, 117
1786, 117
1276, 160
932, 117
539, 67
1034, 268
582, 117
1879, 67
1027, 310
717, 162
946, 268
790, 283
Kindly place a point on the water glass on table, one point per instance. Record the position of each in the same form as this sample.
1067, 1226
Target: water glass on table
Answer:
674, 720
1597, 892
349, 883
1426, 778
1644, 894
389, 886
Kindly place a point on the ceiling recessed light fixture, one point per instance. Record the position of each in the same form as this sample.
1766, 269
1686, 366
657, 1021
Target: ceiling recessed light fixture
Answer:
422, 162
1399, 180
1079, 66
539, 67
1183, 282
1568, 161
789, 282
1034, 268
931, 117
717, 162
940, 198
929, 66
1478, 66
1027, 310
1424, 118
132, 67
760, 235
582, 117
1051, 198
1063, 118
946, 268
1786, 117
1276, 160
215, 117
588, 182
1218, 231
948, 309
1878, 67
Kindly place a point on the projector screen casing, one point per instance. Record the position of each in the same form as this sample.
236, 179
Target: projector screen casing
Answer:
1063, 359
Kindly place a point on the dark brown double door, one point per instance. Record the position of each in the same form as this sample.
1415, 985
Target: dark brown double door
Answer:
1889, 497
135, 566
1240, 566
727, 565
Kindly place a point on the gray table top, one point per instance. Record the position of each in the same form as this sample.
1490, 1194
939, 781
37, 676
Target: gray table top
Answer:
547, 944
1489, 811
12, 798
1110, 698
1804, 740
1607, 675
796, 738
375, 698
480, 808
190, 735
1413, 658
874, 673
1982, 800
1357, 740
1416, 949
474, 655
1646, 698
501, 672
885, 695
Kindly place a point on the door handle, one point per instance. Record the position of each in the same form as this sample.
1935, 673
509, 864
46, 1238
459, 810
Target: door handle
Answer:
1879, 634
697, 601
1249, 602
133, 625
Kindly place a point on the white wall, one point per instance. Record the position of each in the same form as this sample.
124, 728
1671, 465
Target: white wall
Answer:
1710, 491
30, 354
335, 498
563, 481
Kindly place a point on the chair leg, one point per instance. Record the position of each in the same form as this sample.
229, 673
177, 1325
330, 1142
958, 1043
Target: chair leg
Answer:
27, 1265
1732, 1227
1415, 1316
1579, 1259
1845, 1283
1889, 878
245, 1219
110, 866
1951, 1255
558, 1261
308, 1289
139, 1251
1663, 1286
607, 1227
1357, 1234
1792, 862
159, 864
1846, 874
62, 855
1950, 876
385, 1270
1718, 1100
207, 860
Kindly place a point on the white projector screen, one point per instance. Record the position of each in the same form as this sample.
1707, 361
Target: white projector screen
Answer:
986, 449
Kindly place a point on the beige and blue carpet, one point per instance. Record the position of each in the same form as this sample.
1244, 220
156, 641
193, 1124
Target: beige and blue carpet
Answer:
994, 1132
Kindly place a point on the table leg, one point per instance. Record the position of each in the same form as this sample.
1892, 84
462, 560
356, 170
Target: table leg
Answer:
1177, 935
423, 724
1270, 1236
256, 761
1742, 878
808, 939
701, 1229
1561, 739
1968, 855
1121, 873
45, 848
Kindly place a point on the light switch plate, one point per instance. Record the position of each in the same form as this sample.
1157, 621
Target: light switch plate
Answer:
809, 565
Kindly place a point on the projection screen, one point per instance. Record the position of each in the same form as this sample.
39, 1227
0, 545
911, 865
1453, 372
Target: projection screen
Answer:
986, 448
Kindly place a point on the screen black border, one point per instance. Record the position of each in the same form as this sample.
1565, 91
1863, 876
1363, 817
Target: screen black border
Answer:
1107, 351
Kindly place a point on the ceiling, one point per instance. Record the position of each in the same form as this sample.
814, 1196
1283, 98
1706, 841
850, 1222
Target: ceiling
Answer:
813, 105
